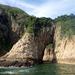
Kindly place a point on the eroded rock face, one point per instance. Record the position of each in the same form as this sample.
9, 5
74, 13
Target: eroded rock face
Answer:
65, 48
48, 55
24, 50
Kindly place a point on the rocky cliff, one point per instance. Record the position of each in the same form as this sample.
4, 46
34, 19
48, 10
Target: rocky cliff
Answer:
30, 48
34, 34
65, 40
26, 40
11, 28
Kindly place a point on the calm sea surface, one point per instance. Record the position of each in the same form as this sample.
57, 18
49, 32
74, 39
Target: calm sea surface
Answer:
44, 69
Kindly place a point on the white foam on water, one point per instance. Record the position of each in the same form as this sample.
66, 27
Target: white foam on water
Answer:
16, 71
26, 70
8, 72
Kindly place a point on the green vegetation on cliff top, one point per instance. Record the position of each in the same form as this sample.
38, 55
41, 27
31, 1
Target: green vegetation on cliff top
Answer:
67, 22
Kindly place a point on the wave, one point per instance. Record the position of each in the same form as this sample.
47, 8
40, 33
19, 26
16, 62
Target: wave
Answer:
8, 72
13, 71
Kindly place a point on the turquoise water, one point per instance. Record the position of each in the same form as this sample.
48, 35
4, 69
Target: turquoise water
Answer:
44, 69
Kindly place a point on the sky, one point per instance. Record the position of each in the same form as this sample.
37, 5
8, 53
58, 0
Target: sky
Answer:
43, 8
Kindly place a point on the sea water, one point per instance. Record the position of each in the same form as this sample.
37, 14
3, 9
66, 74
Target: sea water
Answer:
43, 69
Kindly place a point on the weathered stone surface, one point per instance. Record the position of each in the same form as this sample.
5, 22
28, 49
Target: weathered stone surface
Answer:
48, 55
65, 48
24, 48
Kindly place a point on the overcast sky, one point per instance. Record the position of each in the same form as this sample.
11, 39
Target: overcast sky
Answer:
43, 8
